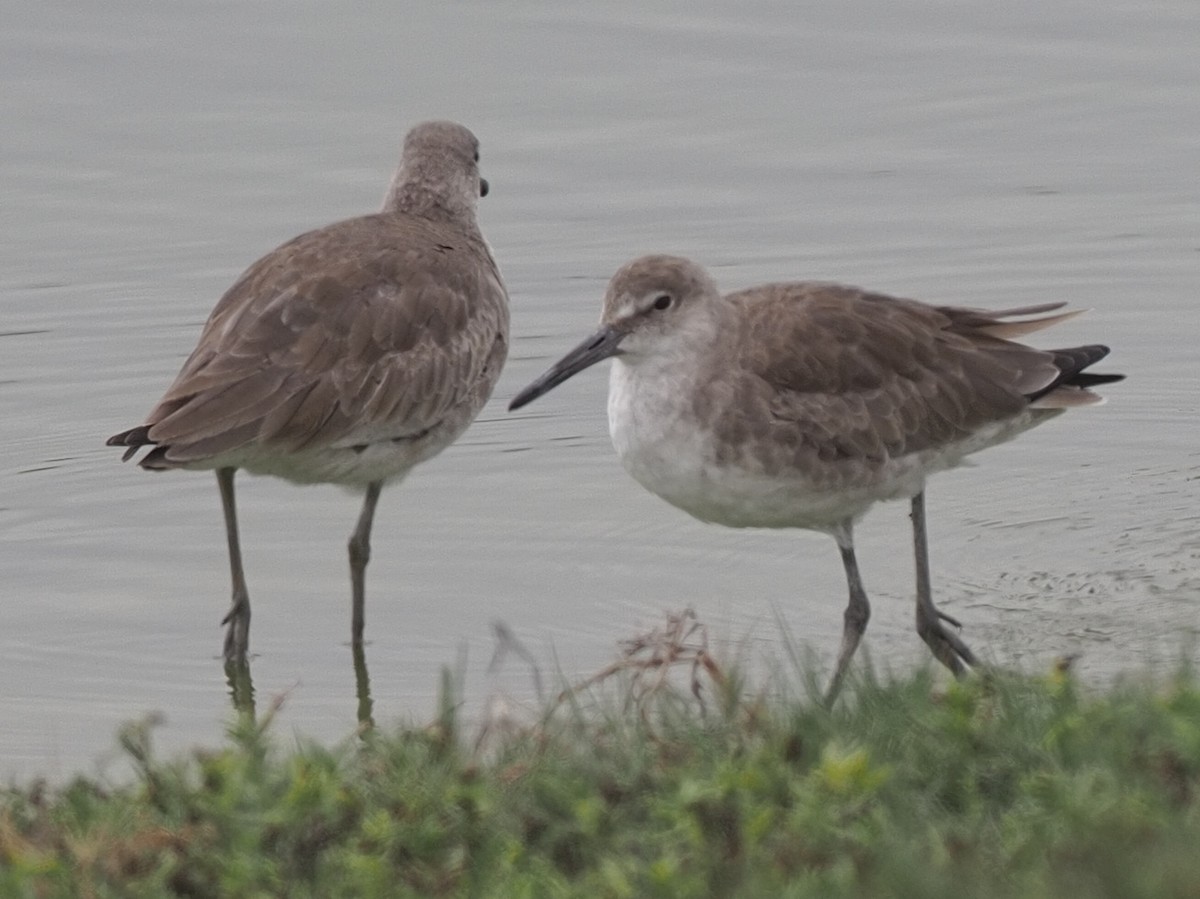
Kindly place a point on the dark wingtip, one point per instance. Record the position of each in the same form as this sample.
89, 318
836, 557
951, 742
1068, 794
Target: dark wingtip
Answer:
134, 439
1090, 379
156, 459
1071, 363
139, 436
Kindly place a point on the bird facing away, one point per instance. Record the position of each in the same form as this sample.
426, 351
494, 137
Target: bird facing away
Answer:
346, 356
802, 404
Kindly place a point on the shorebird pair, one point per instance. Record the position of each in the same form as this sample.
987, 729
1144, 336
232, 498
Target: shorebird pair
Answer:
355, 352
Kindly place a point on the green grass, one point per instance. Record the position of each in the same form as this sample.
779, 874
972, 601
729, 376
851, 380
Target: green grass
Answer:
999, 786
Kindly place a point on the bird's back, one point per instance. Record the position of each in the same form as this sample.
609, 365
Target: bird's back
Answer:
348, 354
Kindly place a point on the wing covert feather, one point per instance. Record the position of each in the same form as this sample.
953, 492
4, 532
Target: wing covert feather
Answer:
339, 337
852, 374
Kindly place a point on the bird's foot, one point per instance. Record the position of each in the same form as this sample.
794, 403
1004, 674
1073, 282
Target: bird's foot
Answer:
237, 631
947, 647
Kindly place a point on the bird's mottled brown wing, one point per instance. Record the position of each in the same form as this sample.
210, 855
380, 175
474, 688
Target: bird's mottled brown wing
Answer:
371, 328
845, 374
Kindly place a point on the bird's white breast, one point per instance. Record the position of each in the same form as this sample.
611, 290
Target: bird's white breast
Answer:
675, 456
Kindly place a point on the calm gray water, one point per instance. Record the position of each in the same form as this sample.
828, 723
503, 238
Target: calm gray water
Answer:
961, 153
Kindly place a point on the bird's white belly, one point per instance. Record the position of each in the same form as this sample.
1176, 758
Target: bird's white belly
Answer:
679, 465
677, 458
354, 462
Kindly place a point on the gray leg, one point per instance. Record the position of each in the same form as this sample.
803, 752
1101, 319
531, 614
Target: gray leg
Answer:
858, 611
946, 645
237, 622
241, 687
360, 554
362, 689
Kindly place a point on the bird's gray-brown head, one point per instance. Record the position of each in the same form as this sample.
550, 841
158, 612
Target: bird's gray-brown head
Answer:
652, 304
439, 173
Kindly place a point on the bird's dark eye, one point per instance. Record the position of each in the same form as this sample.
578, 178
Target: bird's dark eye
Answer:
477, 156
663, 301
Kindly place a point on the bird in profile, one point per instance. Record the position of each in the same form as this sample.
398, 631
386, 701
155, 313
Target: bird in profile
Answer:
346, 356
801, 405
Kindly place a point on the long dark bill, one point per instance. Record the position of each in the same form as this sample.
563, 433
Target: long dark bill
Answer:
598, 347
